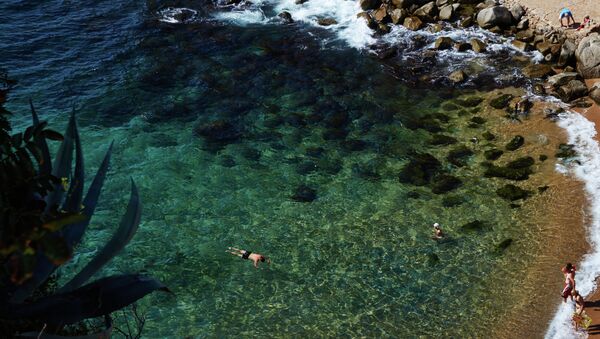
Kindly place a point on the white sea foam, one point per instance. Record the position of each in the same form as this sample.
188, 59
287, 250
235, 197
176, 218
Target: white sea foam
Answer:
177, 15
581, 133
349, 28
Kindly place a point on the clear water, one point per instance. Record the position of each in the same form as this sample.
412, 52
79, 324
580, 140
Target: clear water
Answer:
357, 261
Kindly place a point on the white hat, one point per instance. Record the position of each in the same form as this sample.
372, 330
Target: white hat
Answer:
436, 225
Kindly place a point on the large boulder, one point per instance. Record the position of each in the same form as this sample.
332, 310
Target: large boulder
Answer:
494, 16
443, 42
369, 4
402, 3
562, 79
567, 52
517, 12
446, 13
588, 56
537, 70
397, 16
478, 45
427, 11
413, 23
595, 92
574, 89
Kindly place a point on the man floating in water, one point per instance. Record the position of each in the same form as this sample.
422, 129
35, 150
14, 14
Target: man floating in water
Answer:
255, 257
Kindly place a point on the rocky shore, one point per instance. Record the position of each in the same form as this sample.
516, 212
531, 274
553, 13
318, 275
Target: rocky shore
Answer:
568, 58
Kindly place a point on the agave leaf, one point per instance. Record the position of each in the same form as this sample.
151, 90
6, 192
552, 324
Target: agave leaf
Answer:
42, 270
40, 141
60, 223
127, 228
74, 196
62, 164
74, 233
98, 298
55, 249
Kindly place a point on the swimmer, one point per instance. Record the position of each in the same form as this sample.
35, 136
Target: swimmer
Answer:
437, 231
254, 257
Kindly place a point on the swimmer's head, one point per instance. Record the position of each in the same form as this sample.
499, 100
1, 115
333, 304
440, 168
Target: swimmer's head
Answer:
262, 259
436, 225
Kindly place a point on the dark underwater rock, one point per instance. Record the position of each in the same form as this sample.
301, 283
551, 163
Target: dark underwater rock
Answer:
306, 167
475, 225
459, 156
428, 123
315, 152
566, 151
335, 134
442, 140
353, 145
413, 195
219, 131
469, 101
543, 157
523, 162
304, 194
493, 154
507, 173
488, 136
501, 101
502, 246
452, 200
445, 183
478, 120
420, 170
227, 161
366, 171
515, 143
286, 17
511, 192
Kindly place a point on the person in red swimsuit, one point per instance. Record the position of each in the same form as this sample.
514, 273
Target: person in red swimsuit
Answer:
569, 272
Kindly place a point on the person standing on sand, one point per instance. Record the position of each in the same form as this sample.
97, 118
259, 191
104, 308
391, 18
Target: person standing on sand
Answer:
254, 257
566, 13
569, 272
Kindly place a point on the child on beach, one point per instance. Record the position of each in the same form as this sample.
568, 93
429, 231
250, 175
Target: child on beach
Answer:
580, 318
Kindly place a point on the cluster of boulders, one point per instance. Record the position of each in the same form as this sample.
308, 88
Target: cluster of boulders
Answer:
567, 61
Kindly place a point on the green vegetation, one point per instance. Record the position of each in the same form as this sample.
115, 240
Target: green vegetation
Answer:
44, 215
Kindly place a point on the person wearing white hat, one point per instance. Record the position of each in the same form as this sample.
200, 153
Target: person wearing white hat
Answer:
437, 231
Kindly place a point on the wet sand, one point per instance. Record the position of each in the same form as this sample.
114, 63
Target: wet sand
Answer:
557, 215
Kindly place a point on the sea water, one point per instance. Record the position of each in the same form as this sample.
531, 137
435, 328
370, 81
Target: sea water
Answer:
308, 106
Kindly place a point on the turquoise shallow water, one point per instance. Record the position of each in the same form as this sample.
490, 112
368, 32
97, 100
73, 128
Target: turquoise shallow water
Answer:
356, 261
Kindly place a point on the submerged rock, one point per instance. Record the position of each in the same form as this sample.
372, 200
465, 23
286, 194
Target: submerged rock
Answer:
469, 101
327, 21
420, 170
511, 192
452, 200
218, 131
521, 163
459, 156
475, 225
445, 183
515, 143
507, 173
458, 76
304, 194
488, 136
502, 246
566, 151
493, 154
501, 101
286, 17
442, 140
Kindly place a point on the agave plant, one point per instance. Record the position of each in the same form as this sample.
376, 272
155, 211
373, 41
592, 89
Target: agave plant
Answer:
74, 301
